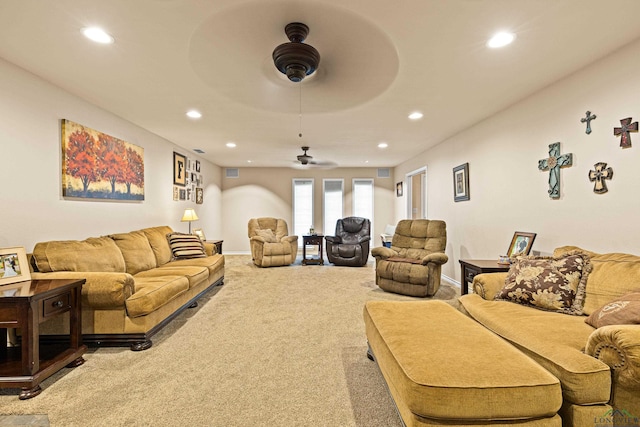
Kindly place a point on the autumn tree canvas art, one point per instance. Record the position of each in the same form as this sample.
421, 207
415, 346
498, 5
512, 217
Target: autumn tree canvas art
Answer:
99, 166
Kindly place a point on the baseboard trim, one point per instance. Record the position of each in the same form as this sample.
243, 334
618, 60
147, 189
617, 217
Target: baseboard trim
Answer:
450, 281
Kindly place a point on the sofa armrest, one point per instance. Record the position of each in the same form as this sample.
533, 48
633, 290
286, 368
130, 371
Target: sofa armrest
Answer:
101, 290
383, 252
210, 249
437, 257
487, 285
619, 347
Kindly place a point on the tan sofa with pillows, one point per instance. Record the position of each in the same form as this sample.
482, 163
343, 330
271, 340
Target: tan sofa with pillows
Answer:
136, 282
577, 315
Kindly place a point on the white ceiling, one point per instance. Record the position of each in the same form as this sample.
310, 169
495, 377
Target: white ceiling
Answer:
381, 60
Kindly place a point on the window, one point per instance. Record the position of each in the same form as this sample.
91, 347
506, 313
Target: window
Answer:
302, 207
363, 198
332, 205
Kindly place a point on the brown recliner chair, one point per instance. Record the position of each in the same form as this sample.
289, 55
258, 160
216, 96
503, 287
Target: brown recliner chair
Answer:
271, 245
350, 245
413, 264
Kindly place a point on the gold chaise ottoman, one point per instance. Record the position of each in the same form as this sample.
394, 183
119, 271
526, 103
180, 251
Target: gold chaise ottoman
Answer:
443, 368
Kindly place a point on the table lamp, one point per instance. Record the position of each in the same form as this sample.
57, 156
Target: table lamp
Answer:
189, 215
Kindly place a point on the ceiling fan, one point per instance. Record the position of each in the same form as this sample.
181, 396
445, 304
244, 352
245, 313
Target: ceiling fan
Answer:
305, 161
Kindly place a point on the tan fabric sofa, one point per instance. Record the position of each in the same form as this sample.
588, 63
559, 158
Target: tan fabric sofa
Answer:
599, 369
133, 285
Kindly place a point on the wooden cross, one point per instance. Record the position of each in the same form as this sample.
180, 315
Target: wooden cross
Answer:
599, 175
587, 120
553, 163
623, 131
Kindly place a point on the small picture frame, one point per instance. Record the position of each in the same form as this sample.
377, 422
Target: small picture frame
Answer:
198, 166
183, 193
14, 266
199, 196
176, 193
461, 183
521, 243
399, 189
179, 169
198, 232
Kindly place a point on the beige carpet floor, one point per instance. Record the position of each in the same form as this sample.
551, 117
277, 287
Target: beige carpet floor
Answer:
272, 347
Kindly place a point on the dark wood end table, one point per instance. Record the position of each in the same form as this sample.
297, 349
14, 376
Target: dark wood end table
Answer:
218, 244
312, 240
472, 267
25, 305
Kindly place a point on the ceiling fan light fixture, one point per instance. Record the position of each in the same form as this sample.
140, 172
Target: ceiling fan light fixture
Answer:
295, 59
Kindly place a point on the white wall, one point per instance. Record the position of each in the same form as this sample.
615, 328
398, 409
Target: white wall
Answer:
509, 193
32, 208
260, 192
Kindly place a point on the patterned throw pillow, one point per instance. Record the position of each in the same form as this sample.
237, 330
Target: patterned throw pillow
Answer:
621, 311
553, 284
267, 235
184, 246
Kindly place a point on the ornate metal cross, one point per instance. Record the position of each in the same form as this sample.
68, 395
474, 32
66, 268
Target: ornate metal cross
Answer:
553, 163
623, 131
587, 120
599, 175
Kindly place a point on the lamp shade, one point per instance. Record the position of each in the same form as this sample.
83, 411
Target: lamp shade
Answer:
189, 215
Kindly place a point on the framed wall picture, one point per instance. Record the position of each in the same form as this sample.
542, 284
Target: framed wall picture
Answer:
399, 189
179, 169
13, 266
199, 196
521, 243
461, 183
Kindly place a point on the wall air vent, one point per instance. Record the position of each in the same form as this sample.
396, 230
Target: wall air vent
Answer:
384, 173
232, 173
197, 150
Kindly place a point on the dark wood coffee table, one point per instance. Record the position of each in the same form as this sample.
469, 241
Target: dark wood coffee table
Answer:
25, 305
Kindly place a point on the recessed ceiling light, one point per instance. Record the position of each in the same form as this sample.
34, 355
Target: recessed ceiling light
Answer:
501, 39
383, 145
194, 114
249, 161
231, 144
97, 35
416, 115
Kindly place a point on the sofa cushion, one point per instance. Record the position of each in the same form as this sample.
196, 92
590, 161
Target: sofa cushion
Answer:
554, 340
158, 240
154, 292
136, 250
621, 311
612, 276
92, 254
185, 246
213, 263
268, 235
405, 272
195, 274
554, 284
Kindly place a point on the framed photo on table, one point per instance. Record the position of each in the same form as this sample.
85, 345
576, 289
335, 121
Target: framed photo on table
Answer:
521, 243
461, 183
14, 266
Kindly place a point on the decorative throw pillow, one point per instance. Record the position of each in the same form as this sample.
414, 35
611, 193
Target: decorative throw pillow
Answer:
184, 246
547, 283
267, 235
621, 311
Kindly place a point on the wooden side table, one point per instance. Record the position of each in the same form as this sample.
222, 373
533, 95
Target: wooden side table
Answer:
25, 305
312, 240
218, 244
472, 267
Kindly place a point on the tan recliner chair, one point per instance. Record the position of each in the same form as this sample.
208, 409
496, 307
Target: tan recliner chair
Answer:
271, 245
413, 264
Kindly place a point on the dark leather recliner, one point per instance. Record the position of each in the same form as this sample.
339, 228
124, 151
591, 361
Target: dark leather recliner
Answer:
350, 245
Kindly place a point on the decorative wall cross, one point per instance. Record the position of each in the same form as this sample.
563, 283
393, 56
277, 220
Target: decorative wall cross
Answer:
553, 163
587, 120
599, 175
623, 131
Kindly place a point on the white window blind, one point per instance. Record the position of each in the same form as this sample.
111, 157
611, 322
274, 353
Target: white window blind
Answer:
302, 207
363, 198
332, 204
